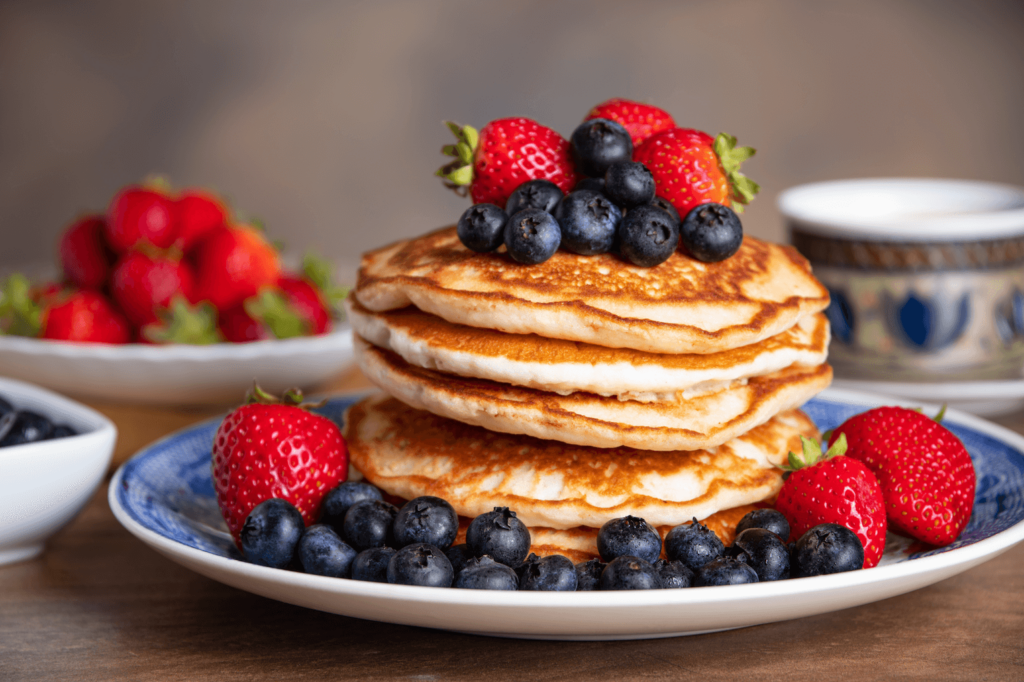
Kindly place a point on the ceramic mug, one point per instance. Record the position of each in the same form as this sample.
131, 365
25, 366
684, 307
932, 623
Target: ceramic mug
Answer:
926, 275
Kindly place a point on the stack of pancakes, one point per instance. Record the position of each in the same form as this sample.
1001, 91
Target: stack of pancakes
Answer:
584, 389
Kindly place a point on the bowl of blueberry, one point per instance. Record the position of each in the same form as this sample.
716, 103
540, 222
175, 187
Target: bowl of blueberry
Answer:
53, 454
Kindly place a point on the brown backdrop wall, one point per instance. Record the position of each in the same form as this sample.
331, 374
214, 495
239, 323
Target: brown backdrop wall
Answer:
324, 118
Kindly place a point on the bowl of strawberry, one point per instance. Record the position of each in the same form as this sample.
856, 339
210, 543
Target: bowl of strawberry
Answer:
167, 298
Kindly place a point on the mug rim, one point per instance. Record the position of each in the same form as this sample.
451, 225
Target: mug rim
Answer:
905, 209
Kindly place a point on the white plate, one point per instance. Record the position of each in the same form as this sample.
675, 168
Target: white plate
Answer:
164, 496
176, 374
984, 398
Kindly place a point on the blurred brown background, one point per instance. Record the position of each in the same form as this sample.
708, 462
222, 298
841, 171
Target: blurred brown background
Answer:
324, 118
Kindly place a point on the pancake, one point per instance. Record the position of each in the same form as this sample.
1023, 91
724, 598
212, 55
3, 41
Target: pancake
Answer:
587, 419
565, 367
409, 453
680, 306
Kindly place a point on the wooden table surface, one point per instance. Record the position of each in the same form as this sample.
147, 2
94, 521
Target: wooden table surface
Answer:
101, 605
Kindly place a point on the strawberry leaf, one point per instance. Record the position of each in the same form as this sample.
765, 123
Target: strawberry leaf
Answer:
941, 415
19, 314
274, 310
458, 174
731, 157
838, 448
320, 272
183, 322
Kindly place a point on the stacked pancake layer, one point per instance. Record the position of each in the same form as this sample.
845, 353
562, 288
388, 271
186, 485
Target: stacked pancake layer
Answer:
584, 389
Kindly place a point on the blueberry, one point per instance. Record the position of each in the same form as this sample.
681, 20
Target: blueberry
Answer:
596, 184
553, 573
368, 524
426, 519
629, 184
541, 194
673, 574
588, 221
459, 555
648, 236
693, 544
420, 564
766, 553
271, 533
6, 424
628, 536
5, 407
527, 562
666, 206
588, 575
482, 227
629, 573
28, 427
724, 571
827, 548
769, 519
484, 573
532, 236
501, 535
711, 232
322, 552
62, 431
597, 144
371, 565
338, 500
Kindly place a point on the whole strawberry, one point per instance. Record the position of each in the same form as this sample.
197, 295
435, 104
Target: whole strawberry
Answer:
85, 316
926, 474
692, 168
199, 213
144, 285
503, 155
139, 215
232, 264
85, 258
833, 488
271, 448
641, 120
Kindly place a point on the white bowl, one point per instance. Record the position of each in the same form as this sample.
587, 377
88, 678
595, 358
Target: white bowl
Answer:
176, 374
44, 485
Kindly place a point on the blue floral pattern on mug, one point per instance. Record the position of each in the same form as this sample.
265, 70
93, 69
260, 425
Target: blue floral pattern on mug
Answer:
928, 323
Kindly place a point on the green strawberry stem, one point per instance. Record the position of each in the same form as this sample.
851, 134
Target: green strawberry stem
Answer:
320, 272
19, 314
183, 322
458, 173
277, 313
730, 156
291, 398
812, 453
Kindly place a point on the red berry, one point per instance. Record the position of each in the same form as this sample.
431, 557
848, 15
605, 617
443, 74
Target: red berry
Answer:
307, 302
86, 316
199, 213
136, 216
262, 451
85, 258
641, 120
833, 488
692, 168
232, 264
143, 285
238, 326
927, 477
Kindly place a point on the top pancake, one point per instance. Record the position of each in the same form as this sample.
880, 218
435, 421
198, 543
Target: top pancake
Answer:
680, 306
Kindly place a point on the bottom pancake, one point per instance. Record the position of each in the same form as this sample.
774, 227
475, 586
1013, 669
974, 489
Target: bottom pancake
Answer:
549, 484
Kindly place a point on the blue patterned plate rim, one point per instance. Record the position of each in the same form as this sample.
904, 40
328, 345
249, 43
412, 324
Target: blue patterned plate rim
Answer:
996, 525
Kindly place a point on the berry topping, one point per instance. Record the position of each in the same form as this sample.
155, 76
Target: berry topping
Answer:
597, 144
629, 184
648, 236
532, 236
542, 194
500, 535
666, 206
588, 575
271, 532
628, 536
639, 119
769, 519
553, 573
694, 544
596, 184
482, 227
629, 573
765, 552
341, 498
673, 574
588, 222
724, 570
827, 548
368, 524
321, 551
459, 555
711, 232
426, 519
484, 573
420, 564
371, 565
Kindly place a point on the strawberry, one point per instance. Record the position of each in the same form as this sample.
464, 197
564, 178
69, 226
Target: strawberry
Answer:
140, 215
833, 488
690, 168
271, 448
183, 322
238, 326
926, 474
641, 120
232, 264
199, 213
83, 315
84, 257
503, 155
143, 285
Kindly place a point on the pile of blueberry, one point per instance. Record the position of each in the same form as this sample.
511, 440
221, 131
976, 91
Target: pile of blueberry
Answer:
362, 537
25, 426
614, 208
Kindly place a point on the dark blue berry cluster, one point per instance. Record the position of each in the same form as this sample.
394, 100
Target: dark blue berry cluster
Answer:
362, 537
613, 209
25, 426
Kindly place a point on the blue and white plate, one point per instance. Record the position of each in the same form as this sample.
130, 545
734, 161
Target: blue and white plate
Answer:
164, 495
